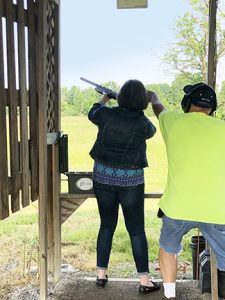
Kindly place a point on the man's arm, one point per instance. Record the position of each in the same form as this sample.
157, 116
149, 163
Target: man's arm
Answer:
157, 106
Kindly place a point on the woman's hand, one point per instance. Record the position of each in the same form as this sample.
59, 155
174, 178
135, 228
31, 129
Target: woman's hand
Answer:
104, 99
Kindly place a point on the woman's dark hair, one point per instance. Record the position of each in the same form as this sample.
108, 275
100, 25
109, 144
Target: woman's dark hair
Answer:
132, 96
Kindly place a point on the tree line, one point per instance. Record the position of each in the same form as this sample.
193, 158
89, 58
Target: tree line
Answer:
77, 102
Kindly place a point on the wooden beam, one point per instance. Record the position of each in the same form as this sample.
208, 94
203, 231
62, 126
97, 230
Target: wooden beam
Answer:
69, 206
80, 196
50, 212
71, 202
42, 139
212, 51
56, 213
212, 62
55, 148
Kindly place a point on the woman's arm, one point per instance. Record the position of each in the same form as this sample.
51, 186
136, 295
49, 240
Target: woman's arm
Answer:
95, 113
104, 99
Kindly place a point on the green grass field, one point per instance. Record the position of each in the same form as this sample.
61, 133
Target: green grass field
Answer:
19, 233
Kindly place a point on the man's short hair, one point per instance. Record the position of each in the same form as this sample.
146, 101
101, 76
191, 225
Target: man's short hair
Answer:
201, 95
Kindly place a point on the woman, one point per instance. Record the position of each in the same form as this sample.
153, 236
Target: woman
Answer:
119, 155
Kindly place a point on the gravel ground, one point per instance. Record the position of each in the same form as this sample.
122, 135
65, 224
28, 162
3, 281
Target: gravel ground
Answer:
71, 289
76, 285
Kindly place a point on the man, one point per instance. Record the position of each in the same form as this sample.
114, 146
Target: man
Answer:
194, 196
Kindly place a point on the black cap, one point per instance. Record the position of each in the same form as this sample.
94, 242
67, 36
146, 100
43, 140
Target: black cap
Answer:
201, 95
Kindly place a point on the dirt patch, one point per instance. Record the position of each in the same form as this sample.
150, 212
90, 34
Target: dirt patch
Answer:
74, 287
77, 285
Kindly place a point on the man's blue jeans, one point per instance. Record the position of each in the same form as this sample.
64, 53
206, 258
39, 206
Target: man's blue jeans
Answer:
132, 203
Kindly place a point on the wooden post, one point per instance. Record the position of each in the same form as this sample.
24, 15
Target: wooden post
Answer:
212, 53
54, 209
212, 62
42, 134
55, 153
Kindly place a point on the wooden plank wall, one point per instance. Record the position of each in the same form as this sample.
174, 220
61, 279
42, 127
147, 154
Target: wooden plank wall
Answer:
18, 106
29, 110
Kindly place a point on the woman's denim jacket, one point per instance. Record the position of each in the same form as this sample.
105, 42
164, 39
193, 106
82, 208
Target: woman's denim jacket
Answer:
121, 136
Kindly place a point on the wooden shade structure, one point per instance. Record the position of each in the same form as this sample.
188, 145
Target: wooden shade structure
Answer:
132, 4
30, 105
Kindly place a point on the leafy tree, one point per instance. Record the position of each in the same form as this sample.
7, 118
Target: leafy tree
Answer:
190, 52
64, 103
76, 101
176, 90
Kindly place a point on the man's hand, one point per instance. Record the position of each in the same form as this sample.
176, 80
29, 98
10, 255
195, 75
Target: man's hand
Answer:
152, 97
157, 106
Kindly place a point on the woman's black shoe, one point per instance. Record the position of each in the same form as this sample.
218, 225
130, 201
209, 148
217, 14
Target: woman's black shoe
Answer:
144, 289
101, 282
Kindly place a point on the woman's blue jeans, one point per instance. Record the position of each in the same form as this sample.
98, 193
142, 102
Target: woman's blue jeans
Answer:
132, 203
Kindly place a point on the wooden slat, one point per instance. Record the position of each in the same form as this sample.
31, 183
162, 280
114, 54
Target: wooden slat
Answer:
33, 100
13, 126
17, 97
23, 105
4, 204
42, 134
14, 12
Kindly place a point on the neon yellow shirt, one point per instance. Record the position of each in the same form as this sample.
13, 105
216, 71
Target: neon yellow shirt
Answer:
195, 145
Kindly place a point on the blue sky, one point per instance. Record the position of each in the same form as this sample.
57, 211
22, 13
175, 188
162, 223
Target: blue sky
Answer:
103, 43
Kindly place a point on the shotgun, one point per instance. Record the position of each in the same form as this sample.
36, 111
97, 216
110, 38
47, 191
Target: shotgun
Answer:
101, 89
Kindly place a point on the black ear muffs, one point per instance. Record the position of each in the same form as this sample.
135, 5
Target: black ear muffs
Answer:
214, 107
186, 103
188, 98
